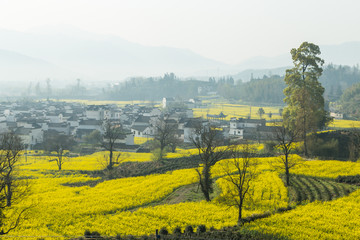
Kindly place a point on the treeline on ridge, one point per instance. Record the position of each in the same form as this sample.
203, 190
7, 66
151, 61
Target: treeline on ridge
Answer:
268, 89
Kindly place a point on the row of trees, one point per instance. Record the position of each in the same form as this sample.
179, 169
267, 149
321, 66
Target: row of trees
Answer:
304, 113
56, 144
241, 167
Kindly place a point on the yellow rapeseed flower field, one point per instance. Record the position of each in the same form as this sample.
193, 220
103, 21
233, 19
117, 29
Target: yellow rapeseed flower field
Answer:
66, 203
342, 123
237, 110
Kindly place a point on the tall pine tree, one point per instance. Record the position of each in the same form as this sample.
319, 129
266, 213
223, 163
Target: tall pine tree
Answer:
304, 93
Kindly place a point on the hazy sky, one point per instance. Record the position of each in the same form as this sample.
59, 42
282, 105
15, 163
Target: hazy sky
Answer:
225, 30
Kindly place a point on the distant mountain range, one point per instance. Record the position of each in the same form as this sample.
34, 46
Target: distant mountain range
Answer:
72, 55
67, 54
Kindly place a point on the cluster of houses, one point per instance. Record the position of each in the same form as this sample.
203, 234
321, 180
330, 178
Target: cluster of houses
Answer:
32, 120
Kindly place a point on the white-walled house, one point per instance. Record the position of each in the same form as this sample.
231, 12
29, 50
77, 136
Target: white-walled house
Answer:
30, 136
190, 128
337, 115
125, 139
239, 132
54, 118
98, 112
142, 131
246, 123
73, 121
142, 121
237, 126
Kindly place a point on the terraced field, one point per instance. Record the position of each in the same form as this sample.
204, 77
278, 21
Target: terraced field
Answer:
305, 188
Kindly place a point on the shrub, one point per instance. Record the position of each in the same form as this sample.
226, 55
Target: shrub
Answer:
201, 229
177, 230
355, 179
269, 147
163, 231
189, 229
130, 237
88, 234
158, 155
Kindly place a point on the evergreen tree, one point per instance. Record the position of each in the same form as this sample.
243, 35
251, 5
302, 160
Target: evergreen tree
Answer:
304, 93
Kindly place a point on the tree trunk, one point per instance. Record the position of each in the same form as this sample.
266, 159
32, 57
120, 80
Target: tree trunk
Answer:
161, 154
287, 175
305, 145
9, 193
207, 195
207, 183
204, 190
59, 162
110, 159
239, 221
304, 136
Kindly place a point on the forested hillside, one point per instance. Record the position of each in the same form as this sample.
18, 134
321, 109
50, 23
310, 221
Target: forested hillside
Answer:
335, 79
139, 88
268, 89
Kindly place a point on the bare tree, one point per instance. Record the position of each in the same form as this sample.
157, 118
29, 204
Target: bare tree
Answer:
118, 158
208, 142
112, 133
58, 143
286, 139
12, 189
165, 134
11, 147
240, 171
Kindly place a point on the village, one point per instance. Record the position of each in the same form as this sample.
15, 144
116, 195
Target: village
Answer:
33, 120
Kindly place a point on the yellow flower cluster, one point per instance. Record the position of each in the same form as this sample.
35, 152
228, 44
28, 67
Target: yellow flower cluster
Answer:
338, 219
327, 169
141, 140
267, 192
342, 123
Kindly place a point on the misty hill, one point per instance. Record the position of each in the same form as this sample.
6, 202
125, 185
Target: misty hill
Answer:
100, 57
16, 67
343, 54
248, 74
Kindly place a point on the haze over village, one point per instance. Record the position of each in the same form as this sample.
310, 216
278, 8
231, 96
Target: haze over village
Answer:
179, 119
